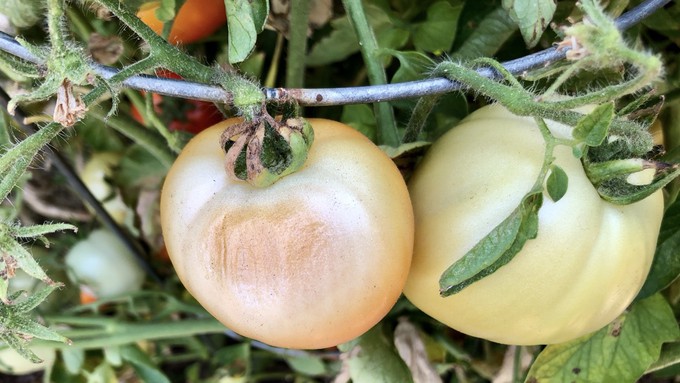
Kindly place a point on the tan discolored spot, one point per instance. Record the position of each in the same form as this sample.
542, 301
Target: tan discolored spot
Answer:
270, 256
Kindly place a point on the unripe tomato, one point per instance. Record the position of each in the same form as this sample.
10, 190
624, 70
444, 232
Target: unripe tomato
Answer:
195, 20
104, 265
95, 173
586, 265
14, 364
313, 260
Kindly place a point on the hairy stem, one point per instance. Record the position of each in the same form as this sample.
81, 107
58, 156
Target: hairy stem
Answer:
387, 128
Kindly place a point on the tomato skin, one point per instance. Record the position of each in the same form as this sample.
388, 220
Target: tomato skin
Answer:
314, 260
196, 19
586, 265
14, 364
94, 175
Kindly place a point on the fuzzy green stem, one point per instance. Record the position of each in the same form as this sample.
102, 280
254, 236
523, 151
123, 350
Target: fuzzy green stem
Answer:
517, 365
548, 155
518, 101
419, 117
297, 45
163, 52
55, 11
387, 128
118, 333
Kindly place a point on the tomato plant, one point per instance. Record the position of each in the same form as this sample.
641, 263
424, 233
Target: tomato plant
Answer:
195, 20
585, 267
312, 261
92, 261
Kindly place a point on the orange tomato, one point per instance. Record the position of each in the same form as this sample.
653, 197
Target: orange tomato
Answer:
195, 20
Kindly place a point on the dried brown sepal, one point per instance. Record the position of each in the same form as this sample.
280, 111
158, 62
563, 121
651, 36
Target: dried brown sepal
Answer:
266, 149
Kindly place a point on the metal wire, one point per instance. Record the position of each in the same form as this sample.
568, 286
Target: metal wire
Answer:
338, 96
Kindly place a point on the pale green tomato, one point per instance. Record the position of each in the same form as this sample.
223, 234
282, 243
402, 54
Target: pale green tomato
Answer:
314, 260
585, 267
103, 264
14, 364
95, 172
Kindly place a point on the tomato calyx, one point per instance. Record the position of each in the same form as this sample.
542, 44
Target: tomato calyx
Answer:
264, 150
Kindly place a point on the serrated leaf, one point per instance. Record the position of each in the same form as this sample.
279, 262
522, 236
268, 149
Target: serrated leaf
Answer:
20, 346
372, 358
246, 20
666, 264
496, 249
491, 33
35, 299
531, 16
592, 128
437, 32
39, 231
619, 352
24, 260
557, 183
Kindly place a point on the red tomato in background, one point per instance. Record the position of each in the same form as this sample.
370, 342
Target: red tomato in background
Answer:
196, 19
190, 116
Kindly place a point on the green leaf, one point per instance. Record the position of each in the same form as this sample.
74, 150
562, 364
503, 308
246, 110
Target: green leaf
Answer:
557, 183
246, 19
142, 364
496, 249
14, 252
374, 359
531, 16
491, 33
592, 128
619, 352
437, 32
139, 168
342, 41
307, 365
666, 265
361, 118
669, 359
166, 10
73, 358
412, 65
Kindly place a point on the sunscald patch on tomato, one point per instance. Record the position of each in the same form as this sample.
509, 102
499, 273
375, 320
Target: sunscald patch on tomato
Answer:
312, 261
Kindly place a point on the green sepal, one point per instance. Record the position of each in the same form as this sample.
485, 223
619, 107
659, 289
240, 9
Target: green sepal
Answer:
621, 192
496, 249
592, 129
268, 150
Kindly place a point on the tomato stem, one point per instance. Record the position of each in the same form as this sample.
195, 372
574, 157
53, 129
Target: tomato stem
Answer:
297, 45
387, 128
